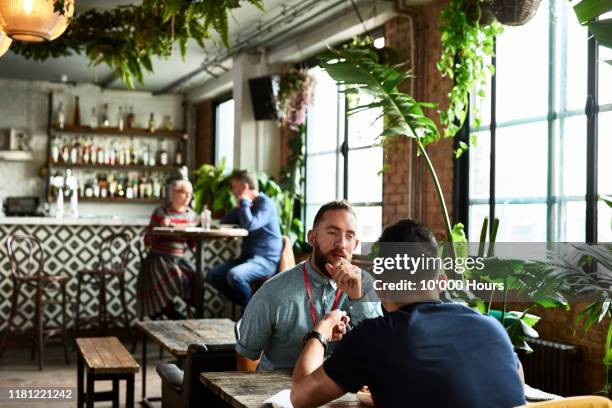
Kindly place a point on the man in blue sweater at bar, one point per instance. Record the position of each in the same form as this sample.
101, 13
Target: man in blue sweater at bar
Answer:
261, 249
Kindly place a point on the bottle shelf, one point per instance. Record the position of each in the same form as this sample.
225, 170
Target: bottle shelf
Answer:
125, 167
113, 131
115, 200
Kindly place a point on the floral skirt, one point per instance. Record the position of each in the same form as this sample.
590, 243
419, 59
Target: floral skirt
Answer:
161, 279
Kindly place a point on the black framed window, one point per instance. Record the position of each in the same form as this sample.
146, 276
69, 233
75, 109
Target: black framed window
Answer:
540, 156
343, 159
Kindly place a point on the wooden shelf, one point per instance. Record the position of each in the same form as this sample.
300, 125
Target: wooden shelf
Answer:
125, 167
112, 131
121, 200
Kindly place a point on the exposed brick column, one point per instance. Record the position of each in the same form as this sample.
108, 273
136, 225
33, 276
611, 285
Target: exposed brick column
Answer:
204, 133
408, 190
399, 154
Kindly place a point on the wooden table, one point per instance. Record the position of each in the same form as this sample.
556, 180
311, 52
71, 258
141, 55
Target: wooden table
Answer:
175, 336
250, 390
200, 235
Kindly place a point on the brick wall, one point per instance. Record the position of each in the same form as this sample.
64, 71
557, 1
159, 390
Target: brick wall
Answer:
408, 190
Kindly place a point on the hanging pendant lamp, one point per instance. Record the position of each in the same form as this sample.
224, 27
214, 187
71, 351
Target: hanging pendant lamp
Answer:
34, 20
5, 42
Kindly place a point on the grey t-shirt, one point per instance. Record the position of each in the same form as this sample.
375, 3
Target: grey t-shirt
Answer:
278, 315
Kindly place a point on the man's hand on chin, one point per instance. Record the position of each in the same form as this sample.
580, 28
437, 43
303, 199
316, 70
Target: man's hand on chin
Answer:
347, 277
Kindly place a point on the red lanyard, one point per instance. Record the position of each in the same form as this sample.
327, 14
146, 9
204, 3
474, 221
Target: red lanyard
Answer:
312, 308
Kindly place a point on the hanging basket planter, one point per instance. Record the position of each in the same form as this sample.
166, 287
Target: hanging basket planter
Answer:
487, 17
514, 12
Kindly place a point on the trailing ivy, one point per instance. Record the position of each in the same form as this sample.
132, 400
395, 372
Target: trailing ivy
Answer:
466, 47
126, 38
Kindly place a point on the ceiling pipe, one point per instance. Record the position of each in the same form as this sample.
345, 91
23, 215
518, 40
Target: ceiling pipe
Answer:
242, 45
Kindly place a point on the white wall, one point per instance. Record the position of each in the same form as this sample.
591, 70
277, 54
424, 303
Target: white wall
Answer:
24, 104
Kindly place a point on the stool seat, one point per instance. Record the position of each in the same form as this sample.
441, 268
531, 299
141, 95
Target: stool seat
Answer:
105, 359
42, 278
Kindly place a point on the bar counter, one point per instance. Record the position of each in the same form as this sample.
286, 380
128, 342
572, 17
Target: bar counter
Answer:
71, 244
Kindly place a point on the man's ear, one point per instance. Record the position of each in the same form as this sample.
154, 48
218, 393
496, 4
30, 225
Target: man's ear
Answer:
356, 244
310, 237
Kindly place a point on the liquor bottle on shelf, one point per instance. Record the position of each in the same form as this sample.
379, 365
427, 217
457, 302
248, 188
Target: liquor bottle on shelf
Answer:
74, 151
132, 154
178, 156
112, 155
76, 121
105, 120
168, 125
152, 123
131, 119
145, 155
93, 119
86, 151
163, 153
65, 151
61, 116
120, 120
55, 150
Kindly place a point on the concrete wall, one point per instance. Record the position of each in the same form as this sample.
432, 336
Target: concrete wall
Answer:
25, 104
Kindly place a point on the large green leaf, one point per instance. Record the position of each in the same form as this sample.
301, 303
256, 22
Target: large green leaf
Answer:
602, 31
587, 10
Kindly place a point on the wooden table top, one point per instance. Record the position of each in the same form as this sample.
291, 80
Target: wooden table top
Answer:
200, 233
176, 335
106, 355
250, 390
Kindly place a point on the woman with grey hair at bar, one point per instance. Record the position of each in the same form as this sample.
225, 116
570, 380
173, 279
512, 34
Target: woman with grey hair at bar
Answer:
166, 273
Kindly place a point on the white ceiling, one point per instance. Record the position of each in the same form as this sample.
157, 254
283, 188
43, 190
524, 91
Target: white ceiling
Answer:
285, 17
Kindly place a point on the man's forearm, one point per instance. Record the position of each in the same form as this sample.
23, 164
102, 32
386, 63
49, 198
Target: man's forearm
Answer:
311, 358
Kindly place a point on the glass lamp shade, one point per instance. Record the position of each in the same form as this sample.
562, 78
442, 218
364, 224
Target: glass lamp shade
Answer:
5, 43
33, 20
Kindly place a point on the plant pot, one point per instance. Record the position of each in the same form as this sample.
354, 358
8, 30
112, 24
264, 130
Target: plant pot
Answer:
514, 12
479, 10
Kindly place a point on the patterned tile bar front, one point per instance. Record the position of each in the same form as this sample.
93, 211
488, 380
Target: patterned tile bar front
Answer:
70, 248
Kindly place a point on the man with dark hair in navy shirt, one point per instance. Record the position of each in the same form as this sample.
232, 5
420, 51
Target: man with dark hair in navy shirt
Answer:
261, 249
424, 353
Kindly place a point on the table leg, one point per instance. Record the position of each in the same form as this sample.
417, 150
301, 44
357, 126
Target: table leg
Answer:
144, 366
90, 390
115, 393
129, 392
199, 289
80, 388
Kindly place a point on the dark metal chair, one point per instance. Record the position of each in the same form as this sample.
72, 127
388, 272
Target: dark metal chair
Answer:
182, 388
22, 248
112, 263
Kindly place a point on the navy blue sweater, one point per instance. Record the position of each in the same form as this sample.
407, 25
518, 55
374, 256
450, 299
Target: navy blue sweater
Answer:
261, 219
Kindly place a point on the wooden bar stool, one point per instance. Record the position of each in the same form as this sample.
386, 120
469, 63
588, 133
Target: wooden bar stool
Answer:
113, 257
22, 248
106, 360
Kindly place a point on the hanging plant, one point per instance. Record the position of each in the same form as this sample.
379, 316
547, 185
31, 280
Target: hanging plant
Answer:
294, 93
466, 46
126, 38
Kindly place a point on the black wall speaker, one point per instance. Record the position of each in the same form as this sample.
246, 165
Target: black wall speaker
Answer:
263, 91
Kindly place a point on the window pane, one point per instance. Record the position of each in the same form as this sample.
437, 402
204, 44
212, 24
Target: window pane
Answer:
369, 223
480, 166
364, 127
478, 212
521, 161
604, 222
364, 182
521, 222
573, 156
605, 76
321, 178
604, 146
322, 117
522, 69
571, 59
224, 133
573, 221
